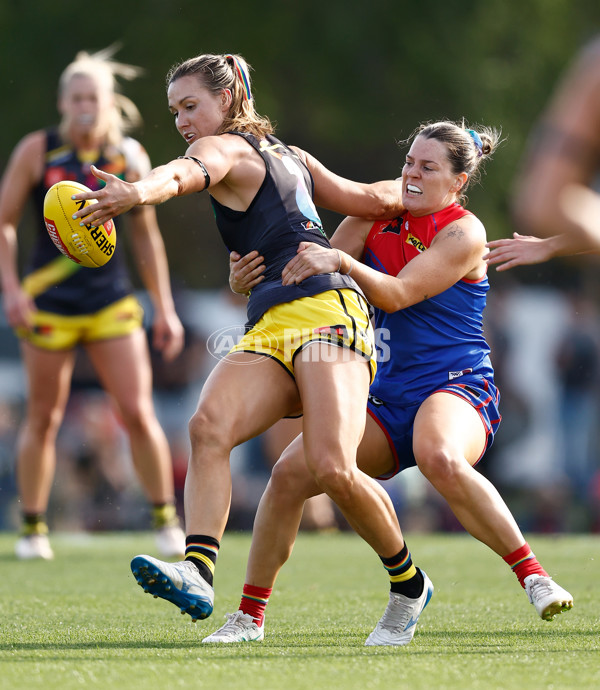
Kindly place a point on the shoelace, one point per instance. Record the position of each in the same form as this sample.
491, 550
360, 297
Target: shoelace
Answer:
236, 622
540, 587
396, 615
186, 571
188, 565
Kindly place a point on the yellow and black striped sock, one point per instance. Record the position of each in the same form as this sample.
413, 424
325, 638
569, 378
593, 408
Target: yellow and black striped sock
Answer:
34, 523
202, 551
405, 578
164, 515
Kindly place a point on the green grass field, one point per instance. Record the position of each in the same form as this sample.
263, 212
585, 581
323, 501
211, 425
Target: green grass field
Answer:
81, 621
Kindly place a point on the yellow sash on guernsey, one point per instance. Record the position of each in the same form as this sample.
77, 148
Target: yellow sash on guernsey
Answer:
47, 276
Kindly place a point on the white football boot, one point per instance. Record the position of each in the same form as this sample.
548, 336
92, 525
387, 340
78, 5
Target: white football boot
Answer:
180, 583
34, 546
170, 541
240, 627
548, 598
399, 621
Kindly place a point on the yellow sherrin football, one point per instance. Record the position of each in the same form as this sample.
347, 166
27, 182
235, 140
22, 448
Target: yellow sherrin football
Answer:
84, 244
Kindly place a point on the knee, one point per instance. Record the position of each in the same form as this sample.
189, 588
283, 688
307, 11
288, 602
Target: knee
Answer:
439, 465
290, 477
207, 430
282, 480
44, 422
137, 417
335, 480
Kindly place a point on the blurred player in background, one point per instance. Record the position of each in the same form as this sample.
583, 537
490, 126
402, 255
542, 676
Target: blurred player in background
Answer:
309, 348
433, 403
60, 305
557, 196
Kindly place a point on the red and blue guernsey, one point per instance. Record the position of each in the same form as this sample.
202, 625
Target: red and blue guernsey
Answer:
436, 341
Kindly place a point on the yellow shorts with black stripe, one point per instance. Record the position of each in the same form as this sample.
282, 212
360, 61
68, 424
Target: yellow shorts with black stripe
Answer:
338, 317
52, 331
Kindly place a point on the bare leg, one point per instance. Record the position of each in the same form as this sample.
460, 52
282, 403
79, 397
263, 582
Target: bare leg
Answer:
334, 393
278, 515
241, 398
449, 437
318, 510
49, 379
280, 509
123, 366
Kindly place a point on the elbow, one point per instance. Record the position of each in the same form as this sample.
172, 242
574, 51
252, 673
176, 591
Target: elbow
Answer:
390, 207
385, 203
389, 304
391, 307
531, 220
179, 186
535, 210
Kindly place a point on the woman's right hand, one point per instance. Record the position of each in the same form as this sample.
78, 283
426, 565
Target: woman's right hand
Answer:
245, 272
18, 307
520, 250
312, 259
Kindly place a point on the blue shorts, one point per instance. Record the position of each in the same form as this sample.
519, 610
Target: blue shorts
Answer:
396, 421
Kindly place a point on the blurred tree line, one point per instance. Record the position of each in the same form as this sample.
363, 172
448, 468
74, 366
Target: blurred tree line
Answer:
346, 80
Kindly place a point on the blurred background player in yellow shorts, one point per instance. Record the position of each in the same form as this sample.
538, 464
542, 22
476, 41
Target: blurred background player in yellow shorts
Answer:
60, 305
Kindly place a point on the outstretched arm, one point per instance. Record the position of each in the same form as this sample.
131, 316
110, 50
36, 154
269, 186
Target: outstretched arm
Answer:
562, 160
521, 250
176, 178
377, 200
455, 254
151, 258
524, 250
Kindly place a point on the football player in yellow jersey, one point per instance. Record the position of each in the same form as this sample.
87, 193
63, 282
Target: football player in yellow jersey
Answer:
60, 305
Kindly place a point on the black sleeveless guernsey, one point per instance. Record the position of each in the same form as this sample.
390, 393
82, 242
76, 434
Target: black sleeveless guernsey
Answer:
281, 215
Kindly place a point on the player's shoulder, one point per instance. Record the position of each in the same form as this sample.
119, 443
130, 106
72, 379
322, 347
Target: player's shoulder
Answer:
468, 224
137, 161
32, 143
28, 156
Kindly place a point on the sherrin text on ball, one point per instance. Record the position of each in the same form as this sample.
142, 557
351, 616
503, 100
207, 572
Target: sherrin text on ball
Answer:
84, 244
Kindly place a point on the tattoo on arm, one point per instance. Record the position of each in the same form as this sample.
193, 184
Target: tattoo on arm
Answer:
455, 230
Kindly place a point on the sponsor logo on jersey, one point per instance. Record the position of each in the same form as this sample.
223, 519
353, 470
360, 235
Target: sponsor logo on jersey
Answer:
393, 226
415, 242
311, 225
457, 374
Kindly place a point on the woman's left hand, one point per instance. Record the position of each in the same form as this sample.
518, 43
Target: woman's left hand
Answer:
311, 260
167, 335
